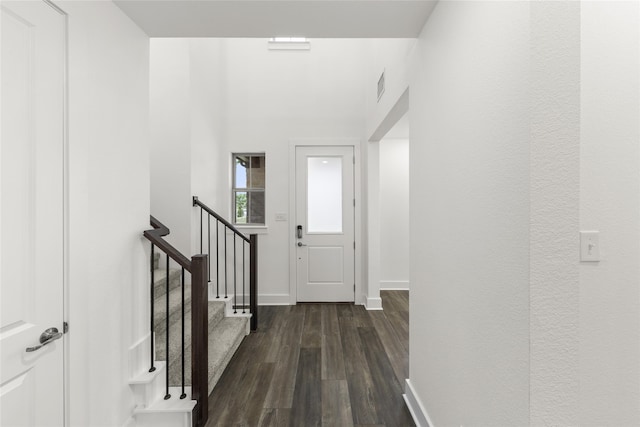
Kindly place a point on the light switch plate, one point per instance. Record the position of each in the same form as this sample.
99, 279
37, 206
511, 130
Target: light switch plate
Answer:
590, 246
281, 216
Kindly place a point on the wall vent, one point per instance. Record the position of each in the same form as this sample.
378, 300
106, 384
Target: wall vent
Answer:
380, 86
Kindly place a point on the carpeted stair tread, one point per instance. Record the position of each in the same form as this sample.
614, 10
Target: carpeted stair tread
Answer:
216, 314
160, 280
175, 308
224, 340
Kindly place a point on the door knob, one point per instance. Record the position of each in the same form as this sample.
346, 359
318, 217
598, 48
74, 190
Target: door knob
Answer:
46, 337
300, 244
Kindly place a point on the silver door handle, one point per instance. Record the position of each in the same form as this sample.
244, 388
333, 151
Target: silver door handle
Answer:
300, 244
46, 337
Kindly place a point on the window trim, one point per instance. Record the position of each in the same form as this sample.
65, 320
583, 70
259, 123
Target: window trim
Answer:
247, 190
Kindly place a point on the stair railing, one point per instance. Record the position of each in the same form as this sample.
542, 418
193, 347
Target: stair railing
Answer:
197, 267
227, 283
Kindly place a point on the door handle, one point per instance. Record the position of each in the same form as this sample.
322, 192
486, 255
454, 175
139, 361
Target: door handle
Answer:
46, 337
300, 244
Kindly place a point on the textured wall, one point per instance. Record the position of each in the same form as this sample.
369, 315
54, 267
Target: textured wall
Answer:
555, 136
469, 198
610, 203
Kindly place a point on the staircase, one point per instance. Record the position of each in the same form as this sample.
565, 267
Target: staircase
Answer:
205, 330
226, 330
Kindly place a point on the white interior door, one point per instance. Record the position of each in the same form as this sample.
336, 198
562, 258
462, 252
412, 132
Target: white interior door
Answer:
31, 214
325, 216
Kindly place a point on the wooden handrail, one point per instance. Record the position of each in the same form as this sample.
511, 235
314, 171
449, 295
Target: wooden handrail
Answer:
197, 266
156, 237
230, 226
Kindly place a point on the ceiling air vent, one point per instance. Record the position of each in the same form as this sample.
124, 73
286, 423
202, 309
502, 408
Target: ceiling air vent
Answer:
380, 86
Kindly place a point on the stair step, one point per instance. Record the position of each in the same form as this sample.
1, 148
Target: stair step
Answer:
224, 340
173, 412
216, 315
160, 280
175, 308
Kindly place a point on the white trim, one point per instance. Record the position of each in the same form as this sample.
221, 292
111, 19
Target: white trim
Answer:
252, 229
348, 142
140, 356
416, 408
394, 285
373, 222
66, 251
373, 304
274, 299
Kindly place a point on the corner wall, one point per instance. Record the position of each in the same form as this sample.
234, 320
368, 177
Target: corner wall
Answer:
469, 204
108, 208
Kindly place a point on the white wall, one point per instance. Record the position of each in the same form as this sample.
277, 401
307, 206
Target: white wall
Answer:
276, 96
208, 127
394, 213
109, 208
188, 122
469, 199
610, 202
553, 341
171, 152
554, 197
266, 98
391, 56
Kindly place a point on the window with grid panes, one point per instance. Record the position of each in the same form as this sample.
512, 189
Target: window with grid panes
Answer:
248, 198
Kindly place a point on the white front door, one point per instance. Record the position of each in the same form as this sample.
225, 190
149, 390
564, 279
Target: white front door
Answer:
32, 214
325, 216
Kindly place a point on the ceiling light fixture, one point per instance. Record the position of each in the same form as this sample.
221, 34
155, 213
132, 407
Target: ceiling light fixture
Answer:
289, 43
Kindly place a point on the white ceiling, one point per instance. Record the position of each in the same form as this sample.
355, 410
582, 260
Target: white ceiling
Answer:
269, 18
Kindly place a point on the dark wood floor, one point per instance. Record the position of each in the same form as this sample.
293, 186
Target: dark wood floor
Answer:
319, 365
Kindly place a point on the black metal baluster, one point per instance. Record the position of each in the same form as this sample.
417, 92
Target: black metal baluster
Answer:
235, 277
200, 229
217, 260
167, 395
244, 274
183, 395
152, 352
209, 245
226, 293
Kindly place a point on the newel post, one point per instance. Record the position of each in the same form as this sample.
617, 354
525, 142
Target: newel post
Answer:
199, 339
253, 280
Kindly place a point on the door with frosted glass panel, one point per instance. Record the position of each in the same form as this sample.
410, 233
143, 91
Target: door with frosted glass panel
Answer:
325, 236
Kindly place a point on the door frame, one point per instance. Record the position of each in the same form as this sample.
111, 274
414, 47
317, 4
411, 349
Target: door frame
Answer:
357, 187
66, 268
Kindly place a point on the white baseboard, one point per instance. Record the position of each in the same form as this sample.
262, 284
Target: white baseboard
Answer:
373, 304
416, 408
274, 299
394, 285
